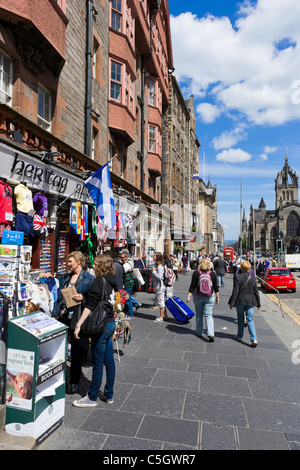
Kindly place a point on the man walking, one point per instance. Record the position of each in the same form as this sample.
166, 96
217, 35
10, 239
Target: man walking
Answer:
128, 281
220, 268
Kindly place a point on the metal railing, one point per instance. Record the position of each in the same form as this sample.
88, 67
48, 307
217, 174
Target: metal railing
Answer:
273, 288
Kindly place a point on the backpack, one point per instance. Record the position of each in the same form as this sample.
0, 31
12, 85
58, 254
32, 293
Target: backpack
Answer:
205, 285
169, 277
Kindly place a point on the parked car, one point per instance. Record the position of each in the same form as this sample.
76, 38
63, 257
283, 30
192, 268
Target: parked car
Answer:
280, 278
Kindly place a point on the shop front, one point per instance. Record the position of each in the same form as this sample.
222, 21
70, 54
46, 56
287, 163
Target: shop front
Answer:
45, 212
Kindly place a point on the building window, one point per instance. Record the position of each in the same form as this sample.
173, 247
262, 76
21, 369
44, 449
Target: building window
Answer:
95, 53
94, 143
293, 225
152, 94
116, 14
115, 84
152, 139
6, 71
44, 108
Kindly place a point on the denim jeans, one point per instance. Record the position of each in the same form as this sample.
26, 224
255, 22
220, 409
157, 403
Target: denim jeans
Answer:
204, 307
131, 302
241, 310
102, 355
220, 280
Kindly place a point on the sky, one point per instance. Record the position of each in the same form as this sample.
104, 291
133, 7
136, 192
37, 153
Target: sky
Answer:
241, 61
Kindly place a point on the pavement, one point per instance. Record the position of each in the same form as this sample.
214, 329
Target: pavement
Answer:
175, 391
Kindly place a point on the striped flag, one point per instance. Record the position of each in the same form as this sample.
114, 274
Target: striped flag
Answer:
100, 189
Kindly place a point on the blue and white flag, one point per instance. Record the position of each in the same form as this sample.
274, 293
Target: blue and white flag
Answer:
100, 189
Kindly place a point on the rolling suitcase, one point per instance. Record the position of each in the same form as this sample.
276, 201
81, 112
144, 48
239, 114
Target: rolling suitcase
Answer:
180, 311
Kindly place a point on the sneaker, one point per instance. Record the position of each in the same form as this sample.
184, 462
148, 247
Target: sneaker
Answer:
158, 320
105, 398
211, 339
85, 403
253, 344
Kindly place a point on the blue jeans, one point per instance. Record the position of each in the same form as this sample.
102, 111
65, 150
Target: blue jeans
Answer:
102, 355
220, 280
130, 302
204, 307
241, 310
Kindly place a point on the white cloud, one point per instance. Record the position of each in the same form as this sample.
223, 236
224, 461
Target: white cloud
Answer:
208, 112
233, 156
230, 138
249, 67
267, 151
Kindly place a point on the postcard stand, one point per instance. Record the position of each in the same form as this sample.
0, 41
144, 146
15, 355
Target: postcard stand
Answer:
36, 369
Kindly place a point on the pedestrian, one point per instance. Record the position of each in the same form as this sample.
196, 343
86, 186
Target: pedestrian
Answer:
118, 268
245, 297
101, 343
82, 281
160, 289
128, 282
185, 262
266, 264
176, 265
204, 302
220, 267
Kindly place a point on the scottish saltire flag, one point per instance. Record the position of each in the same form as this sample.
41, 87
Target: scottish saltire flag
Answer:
100, 189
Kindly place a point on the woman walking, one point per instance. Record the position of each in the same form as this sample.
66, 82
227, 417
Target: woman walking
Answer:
245, 297
160, 289
82, 280
102, 346
205, 291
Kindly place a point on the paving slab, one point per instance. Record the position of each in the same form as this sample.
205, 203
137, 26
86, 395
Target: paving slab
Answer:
175, 391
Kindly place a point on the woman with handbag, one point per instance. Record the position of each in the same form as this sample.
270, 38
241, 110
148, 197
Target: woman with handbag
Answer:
100, 295
82, 280
245, 297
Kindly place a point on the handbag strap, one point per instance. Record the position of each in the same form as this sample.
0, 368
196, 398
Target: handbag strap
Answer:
245, 282
103, 287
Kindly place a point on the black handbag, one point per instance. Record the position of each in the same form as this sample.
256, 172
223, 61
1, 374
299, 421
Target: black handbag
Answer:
96, 321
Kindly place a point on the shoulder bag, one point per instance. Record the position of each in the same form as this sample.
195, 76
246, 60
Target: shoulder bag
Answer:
229, 301
96, 321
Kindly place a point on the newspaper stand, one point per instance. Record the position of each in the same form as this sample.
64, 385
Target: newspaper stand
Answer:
36, 370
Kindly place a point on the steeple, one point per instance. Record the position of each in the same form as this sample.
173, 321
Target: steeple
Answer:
262, 204
286, 185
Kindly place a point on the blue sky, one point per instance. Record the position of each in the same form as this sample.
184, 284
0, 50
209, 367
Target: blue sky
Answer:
241, 61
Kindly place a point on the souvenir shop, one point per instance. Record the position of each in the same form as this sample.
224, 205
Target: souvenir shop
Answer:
45, 212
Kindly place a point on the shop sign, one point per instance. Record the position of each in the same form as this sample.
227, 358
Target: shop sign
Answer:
11, 237
40, 175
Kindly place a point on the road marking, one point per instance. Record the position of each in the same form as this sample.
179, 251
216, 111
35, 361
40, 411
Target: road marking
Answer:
294, 316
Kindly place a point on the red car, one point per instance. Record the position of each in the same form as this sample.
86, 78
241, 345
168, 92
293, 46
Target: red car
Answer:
280, 278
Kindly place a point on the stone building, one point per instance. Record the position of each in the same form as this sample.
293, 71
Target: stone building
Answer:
52, 104
281, 223
84, 82
180, 161
208, 217
140, 57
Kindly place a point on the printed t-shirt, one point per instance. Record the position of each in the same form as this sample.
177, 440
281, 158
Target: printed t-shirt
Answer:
23, 197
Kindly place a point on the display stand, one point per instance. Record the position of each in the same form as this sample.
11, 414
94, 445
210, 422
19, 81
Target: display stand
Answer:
36, 365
